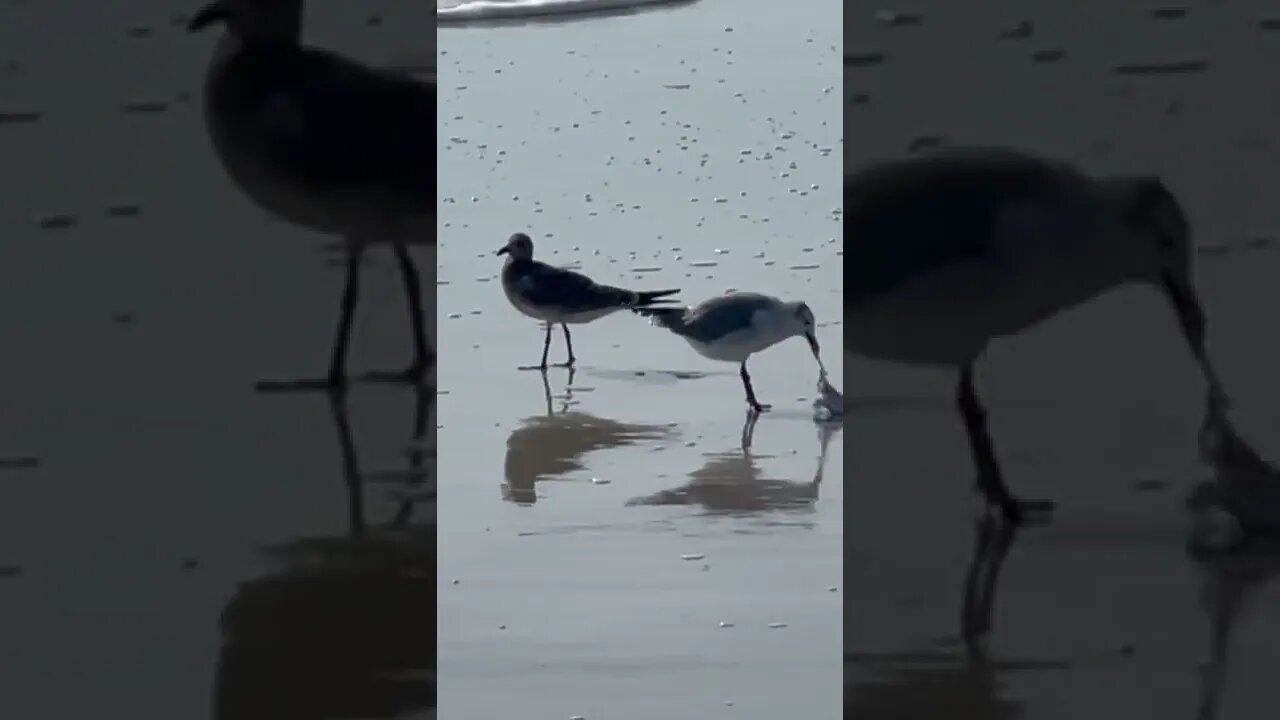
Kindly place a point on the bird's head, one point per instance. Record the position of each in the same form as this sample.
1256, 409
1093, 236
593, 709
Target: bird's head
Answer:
253, 19
1160, 233
518, 247
1156, 227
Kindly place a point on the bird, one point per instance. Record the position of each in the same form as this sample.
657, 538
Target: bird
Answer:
732, 327
327, 144
558, 296
949, 250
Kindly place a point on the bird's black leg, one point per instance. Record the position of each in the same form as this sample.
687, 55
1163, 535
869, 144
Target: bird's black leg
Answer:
751, 393
990, 478
569, 344
422, 355
350, 296
336, 379
546, 347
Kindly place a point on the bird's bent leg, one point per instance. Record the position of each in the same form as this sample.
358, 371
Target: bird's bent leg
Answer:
751, 393
350, 296
569, 344
990, 478
422, 355
546, 347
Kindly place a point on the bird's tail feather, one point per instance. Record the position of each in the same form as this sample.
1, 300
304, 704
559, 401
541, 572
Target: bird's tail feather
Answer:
662, 316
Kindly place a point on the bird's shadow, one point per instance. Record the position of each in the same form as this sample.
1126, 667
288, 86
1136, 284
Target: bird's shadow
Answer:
346, 626
964, 682
552, 446
647, 376
732, 482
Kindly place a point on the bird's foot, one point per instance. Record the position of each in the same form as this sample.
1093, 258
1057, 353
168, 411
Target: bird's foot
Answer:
759, 407
1018, 512
329, 384
412, 375
542, 367
566, 364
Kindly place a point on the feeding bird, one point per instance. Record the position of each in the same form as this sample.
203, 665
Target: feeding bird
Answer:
559, 296
733, 327
948, 251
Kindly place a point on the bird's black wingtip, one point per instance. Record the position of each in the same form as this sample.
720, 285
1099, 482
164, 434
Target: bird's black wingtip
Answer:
651, 296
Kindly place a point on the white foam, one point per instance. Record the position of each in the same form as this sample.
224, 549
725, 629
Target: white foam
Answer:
479, 10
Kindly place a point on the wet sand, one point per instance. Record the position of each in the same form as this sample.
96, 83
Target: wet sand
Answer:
185, 547
1101, 613
600, 528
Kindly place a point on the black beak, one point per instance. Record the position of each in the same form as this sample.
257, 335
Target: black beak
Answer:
1191, 318
504, 250
208, 15
1190, 315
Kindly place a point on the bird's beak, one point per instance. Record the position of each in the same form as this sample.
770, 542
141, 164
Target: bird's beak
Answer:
1191, 318
208, 15
813, 345
504, 250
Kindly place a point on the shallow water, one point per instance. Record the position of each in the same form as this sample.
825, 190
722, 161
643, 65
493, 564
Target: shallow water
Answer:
1101, 613
601, 528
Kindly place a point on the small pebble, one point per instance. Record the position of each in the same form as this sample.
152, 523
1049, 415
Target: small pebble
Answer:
124, 210
58, 222
19, 463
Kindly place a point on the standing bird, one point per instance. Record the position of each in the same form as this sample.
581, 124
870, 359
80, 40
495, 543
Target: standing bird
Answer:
327, 144
556, 295
732, 327
948, 251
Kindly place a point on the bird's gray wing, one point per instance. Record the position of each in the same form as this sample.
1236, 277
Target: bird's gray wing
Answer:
713, 319
905, 219
338, 124
548, 286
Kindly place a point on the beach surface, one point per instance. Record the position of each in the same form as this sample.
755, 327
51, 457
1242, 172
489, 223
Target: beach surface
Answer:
1102, 613
608, 548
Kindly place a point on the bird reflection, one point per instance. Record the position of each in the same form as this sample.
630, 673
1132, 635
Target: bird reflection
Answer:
1247, 488
551, 446
959, 684
1228, 581
732, 483
347, 628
